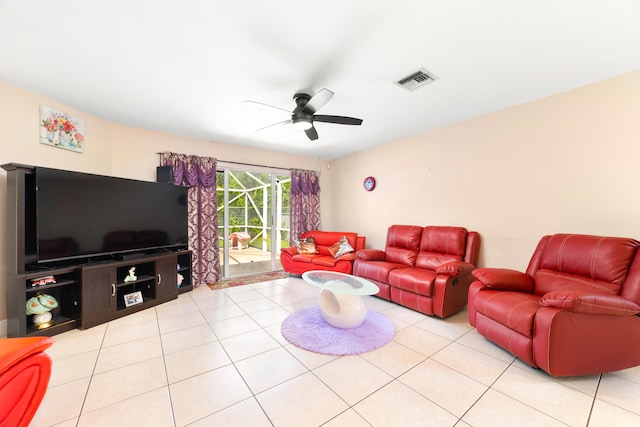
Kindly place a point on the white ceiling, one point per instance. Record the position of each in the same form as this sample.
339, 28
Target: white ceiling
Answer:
185, 67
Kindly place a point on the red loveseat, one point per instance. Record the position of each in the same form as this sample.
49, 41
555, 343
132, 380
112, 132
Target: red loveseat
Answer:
297, 263
24, 375
574, 311
427, 269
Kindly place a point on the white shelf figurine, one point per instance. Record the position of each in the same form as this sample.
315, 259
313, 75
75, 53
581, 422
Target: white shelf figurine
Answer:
132, 275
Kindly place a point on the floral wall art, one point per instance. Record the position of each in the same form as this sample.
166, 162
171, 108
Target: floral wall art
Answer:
61, 130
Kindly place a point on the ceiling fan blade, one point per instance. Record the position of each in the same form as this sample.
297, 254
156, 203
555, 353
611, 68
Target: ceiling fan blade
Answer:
286, 122
318, 100
341, 120
312, 133
267, 106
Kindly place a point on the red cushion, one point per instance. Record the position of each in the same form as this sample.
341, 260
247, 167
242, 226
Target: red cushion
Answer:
302, 257
406, 257
602, 259
413, 279
402, 244
441, 244
375, 270
515, 310
404, 236
445, 240
327, 261
432, 260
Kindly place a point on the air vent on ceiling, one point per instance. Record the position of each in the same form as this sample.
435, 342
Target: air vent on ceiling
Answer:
416, 80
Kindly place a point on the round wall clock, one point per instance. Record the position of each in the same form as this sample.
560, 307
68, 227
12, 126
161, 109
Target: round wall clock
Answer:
369, 183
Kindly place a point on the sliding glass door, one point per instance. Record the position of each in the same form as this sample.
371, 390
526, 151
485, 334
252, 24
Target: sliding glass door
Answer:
253, 220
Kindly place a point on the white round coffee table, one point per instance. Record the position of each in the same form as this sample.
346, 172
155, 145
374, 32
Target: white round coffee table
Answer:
341, 300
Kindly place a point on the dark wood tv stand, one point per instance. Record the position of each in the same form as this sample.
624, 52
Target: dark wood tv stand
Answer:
89, 291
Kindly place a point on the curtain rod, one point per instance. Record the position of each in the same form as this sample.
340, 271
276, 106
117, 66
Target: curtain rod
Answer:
248, 164
251, 164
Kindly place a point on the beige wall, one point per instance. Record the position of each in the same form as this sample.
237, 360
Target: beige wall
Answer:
110, 149
566, 163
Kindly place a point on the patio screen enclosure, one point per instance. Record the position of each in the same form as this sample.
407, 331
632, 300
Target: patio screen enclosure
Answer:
253, 219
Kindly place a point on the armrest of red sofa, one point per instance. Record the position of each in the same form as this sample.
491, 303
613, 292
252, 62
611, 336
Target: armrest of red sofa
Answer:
351, 256
588, 302
451, 287
504, 279
455, 268
371, 255
290, 251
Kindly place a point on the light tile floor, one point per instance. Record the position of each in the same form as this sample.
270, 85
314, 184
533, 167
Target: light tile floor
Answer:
217, 358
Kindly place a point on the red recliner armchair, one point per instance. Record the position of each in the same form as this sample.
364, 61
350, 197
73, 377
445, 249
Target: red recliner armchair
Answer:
574, 311
24, 376
427, 269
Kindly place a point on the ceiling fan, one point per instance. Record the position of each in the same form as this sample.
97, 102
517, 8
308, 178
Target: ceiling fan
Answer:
304, 114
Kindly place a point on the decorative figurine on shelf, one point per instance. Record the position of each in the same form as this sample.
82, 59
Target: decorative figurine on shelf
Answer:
180, 279
132, 275
40, 306
41, 281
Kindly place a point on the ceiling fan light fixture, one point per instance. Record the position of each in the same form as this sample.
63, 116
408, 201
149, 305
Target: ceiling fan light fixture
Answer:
304, 115
302, 123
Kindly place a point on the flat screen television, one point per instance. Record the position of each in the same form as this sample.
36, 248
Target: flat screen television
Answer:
80, 215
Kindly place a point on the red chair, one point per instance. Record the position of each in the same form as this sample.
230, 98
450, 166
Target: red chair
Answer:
24, 375
574, 311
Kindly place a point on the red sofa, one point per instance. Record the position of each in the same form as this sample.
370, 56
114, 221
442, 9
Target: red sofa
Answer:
297, 263
24, 375
574, 311
427, 269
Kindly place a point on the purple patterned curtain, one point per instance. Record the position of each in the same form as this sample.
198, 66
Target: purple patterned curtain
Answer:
199, 174
304, 203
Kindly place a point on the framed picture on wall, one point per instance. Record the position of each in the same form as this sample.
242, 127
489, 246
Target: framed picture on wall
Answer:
61, 130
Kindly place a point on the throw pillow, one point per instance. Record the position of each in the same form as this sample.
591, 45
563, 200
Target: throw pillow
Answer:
306, 246
340, 247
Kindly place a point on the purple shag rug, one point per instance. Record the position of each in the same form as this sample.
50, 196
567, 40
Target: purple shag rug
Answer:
307, 329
